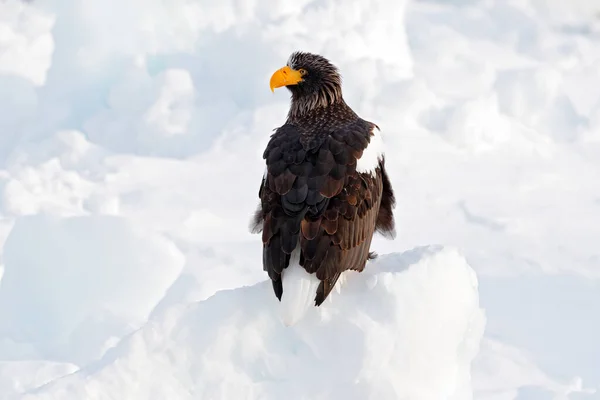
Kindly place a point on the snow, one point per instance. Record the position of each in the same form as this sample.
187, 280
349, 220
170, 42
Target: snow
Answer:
516, 372
407, 327
26, 42
97, 278
130, 161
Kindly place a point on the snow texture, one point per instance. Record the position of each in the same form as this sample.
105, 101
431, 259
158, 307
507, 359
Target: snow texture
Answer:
408, 327
97, 278
26, 42
130, 159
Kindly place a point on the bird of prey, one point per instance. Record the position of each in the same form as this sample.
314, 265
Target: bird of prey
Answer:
325, 190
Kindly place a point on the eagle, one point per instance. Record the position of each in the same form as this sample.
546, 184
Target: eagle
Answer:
325, 190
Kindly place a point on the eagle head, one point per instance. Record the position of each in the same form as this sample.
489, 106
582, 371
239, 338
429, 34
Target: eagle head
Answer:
312, 79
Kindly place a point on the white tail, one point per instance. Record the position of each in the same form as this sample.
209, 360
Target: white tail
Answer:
299, 290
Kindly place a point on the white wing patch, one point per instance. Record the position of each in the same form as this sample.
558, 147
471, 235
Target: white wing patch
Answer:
372, 154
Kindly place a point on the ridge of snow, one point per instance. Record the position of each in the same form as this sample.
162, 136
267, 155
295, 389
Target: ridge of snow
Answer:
408, 326
148, 137
26, 42
97, 279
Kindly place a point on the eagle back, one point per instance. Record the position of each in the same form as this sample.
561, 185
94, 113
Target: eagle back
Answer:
310, 181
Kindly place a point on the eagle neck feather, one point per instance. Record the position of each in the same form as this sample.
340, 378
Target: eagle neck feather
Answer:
304, 104
331, 115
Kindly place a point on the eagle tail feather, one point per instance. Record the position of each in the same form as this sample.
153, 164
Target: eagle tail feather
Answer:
277, 287
298, 290
325, 287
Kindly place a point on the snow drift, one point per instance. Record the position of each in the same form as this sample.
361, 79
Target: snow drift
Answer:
72, 286
407, 327
495, 137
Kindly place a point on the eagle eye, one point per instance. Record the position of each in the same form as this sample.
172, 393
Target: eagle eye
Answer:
302, 71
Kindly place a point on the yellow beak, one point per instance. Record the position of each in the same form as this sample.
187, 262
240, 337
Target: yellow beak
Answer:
283, 77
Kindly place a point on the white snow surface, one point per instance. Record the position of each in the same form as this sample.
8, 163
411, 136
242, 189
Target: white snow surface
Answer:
408, 327
130, 160
83, 294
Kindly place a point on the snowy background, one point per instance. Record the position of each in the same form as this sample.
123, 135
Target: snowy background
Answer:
131, 135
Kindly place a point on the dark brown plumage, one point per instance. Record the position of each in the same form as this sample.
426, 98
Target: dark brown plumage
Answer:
312, 195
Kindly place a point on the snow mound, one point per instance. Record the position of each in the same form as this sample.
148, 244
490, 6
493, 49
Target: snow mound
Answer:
26, 43
21, 376
407, 327
72, 285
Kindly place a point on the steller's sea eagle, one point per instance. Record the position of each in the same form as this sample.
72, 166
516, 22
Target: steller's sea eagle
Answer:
325, 190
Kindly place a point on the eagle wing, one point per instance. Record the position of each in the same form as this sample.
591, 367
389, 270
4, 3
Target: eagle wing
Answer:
313, 195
